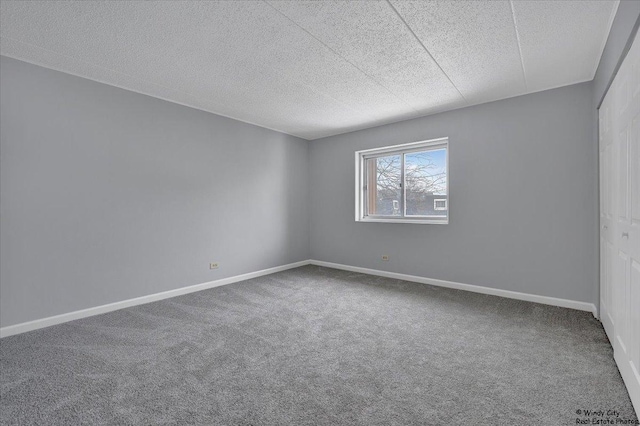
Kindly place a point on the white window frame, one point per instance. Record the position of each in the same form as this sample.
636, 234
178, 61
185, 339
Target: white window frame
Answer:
402, 149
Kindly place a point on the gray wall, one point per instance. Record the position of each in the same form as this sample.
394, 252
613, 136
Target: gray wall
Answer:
505, 157
107, 195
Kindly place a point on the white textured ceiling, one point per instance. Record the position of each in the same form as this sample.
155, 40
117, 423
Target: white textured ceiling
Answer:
315, 68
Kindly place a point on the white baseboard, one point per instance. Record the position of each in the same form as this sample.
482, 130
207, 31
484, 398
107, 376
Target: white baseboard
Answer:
564, 303
58, 319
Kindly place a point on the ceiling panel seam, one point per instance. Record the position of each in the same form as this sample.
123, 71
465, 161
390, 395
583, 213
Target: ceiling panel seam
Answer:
515, 26
349, 66
425, 48
343, 58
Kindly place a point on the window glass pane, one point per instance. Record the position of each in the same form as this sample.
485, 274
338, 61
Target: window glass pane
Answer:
384, 189
426, 183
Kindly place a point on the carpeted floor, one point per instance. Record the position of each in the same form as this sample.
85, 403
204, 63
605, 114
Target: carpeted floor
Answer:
316, 346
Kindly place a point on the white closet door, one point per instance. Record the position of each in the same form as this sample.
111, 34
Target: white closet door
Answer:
620, 219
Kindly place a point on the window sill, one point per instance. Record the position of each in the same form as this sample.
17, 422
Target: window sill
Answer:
416, 221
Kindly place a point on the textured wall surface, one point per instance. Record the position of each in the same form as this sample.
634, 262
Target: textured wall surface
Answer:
522, 201
107, 195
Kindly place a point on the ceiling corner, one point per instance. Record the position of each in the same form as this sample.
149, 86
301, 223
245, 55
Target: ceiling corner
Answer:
612, 16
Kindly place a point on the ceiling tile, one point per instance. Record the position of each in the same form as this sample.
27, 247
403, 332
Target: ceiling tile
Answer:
234, 54
311, 69
561, 41
475, 43
372, 37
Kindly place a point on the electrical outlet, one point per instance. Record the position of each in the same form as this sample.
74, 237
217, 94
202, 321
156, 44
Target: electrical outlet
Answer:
213, 266
385, 257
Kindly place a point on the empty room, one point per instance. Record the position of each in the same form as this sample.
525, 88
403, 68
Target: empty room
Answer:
379, 212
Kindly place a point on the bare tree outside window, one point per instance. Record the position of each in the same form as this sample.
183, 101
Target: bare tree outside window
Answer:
388, 185
405, 183
423, 175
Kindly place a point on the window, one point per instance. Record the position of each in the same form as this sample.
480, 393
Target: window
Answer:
404, 183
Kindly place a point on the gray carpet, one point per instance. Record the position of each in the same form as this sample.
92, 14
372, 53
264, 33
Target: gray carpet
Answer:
315, 346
